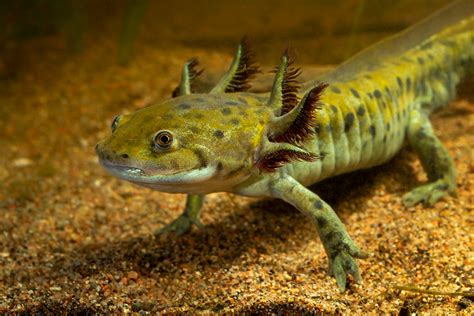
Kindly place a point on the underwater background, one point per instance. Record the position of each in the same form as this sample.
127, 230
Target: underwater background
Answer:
73, 239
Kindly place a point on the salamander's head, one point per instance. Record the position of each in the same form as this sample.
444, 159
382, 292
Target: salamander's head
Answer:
202, 143
195, 143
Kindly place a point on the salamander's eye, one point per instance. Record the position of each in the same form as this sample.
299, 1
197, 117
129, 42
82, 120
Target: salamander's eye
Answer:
115, 122
163, 140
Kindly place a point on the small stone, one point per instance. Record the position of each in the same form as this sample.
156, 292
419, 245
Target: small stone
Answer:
22, 162
124, 281
132, 275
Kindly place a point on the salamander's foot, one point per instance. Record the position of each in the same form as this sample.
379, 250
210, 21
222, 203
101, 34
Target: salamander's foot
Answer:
180, 226
342, 263
429, 193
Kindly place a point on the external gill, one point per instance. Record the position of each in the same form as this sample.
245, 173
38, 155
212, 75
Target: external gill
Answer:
292, 123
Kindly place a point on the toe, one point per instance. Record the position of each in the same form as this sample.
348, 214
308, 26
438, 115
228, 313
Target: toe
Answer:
434, 197
339, 273
353, 270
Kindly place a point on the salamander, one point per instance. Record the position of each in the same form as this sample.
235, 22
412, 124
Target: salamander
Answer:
278, 143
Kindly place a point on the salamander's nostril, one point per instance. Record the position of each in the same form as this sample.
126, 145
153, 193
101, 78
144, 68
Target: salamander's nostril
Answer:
124, 156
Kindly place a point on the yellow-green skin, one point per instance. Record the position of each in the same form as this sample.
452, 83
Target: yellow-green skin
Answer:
372, 106
221, 131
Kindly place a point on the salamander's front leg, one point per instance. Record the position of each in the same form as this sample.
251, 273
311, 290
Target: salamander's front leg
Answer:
340, 248
190, 216
435, 160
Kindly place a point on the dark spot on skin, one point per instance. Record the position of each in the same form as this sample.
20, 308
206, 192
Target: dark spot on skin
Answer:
441, 187
201, 157
317, 128
232, 172
318, 204
388, 126
219, 134
234, 121
389, 93
322, 155
361, 110
124, 156
372, 130
384, 139
377, 93
321, 221
231, 103
242, 100
408, 83
334, 108
219, 166
355, 93
226, 111
421, 135
194, 129
348, 121
421, 61
332, 236
370, 95
174, 164
430, 56
400, 83
335, 89
334, 241
242, 113
184, 106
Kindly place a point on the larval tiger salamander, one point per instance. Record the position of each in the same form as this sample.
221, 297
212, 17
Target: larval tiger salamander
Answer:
275, 145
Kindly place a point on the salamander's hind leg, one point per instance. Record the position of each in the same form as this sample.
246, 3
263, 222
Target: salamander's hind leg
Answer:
435, 160
190, 216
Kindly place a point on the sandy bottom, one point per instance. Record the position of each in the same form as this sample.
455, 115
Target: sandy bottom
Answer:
75, 239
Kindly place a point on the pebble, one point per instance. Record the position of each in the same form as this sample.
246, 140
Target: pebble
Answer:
132, 275
22, 162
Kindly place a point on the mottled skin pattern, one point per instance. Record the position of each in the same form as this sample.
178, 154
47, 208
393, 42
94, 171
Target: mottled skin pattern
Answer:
215, 142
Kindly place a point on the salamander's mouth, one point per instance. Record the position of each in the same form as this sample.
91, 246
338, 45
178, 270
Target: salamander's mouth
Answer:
139, 176
124, 170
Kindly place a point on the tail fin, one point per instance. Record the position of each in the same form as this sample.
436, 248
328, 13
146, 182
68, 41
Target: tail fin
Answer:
373, 56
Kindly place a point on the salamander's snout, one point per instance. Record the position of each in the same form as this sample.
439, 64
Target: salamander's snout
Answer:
110, 155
